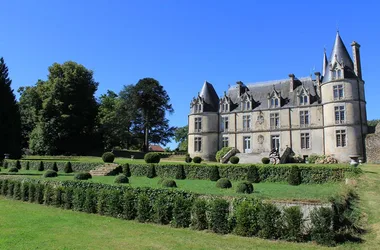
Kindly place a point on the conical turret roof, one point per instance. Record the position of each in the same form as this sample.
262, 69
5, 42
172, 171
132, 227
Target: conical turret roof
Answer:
210, 97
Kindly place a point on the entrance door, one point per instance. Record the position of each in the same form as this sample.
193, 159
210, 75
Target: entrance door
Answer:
275, 142
247, 144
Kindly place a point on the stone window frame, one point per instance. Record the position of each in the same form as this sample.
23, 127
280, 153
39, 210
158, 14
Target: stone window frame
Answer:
337, 71
224, 140
198, 107
270, 120
304, 125
338, 97
340, 121
305, 134
198, 124
247, 122
197, 144
338, 132
224, 120
273, 104
224, 107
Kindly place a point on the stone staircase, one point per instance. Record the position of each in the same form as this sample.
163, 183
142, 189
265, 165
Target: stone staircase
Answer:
104, 170
227, 156
252, 157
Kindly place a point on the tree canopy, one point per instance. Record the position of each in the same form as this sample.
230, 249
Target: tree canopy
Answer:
180, 135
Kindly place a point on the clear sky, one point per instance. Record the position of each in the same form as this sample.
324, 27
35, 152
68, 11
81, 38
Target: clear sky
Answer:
182, 43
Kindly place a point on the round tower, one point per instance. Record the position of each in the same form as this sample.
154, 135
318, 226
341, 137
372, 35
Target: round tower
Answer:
203, 124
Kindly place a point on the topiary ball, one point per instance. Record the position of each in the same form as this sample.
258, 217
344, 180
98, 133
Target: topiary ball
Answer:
152, 157
68, 168
244, 187
169, 183
188, 159
82, 176
50, 173
265, 160
223, 183
121, 178
234, 160
197, 159
13, 170
108, 157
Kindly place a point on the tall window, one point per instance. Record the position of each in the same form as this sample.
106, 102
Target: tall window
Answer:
274, 120
274, 102
304, 118
246, 105
338, 92
198, 124
246, 122
341, 138
305, 140
224, 124
224, 107
339, 74
197, 144
339, 114
304, 99
198, 108
225, 141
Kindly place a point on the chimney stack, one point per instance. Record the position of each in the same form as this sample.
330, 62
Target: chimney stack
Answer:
291, 82
356, 54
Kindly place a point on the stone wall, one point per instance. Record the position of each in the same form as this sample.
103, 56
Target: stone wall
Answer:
372, 142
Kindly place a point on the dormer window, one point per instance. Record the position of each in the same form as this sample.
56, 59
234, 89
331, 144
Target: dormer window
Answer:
274, 102
198, 108
224, 107
337, 73
246, 105
304, 100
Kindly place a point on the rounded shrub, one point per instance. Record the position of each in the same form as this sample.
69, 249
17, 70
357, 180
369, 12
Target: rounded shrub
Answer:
55, 167
108, 157
50, 173
82, 176
223, 183
13, 170
169, 183
294, 177
188, 159
152, 157
197, 159
126, 170
244, 187
265, 160
214, 173
121, 178
18, 164
41, 166
68, 168
234, 160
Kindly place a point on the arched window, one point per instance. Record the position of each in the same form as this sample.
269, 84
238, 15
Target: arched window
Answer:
274, 102
304, 99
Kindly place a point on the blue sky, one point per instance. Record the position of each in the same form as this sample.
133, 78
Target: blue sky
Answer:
182, 43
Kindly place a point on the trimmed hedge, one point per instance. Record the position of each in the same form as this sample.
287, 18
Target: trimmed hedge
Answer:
34, 164
108, 157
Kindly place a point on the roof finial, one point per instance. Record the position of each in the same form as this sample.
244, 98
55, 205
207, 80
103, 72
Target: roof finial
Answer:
337, 26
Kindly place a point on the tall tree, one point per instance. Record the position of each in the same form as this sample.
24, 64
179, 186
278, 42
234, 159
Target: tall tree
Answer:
180, 136
10, 125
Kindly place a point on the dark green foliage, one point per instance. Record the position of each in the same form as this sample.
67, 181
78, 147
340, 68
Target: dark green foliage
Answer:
10, 188
151, 171
48, 195
222, 153
129, 211
223, 183
24, 191
5, 164
68, 198
244, 187
41, 166
265, 160
89, 205
27, 166
32, 192
188, 159
79, 197
219, 216
180, 175
152, 157
169, 183
55, 167
294, 177
108, 157
58, 198
121, 179
82, 176
269, 220
4, 187
50, 173
126, 170
143, 208
39, 193
68, 168
18, 164
321, 230
234, 160
102, 206
162, 210
214, 173
247, 218
199, 217
253, 174
181, 212
293, 224
17, 190
13, 170
197, 159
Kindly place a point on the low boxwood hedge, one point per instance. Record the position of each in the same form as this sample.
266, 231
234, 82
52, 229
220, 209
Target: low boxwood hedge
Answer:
34, 164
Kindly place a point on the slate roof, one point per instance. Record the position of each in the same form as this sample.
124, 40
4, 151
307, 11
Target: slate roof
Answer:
210, 97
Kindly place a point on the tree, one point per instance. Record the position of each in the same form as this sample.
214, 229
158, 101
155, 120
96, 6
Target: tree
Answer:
180, 135
10, 124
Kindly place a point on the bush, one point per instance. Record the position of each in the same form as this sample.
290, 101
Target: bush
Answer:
39, 193
89, 204
108, 157
50, 173
68, 168
313, 158
188, 159
58, 199
199, 218
151, 171
48, 195
27, 167
5, 165
121, 179
25, 191
197, 159
269, 219
181, 212
234, 160
214, 173
143, 208
17, 191
244, 187
32, 192
247, 218
180, 175
293, 224
152, 157
219, 216
253, 175
169, 183
265, 160
126, 170
223, 183
321, 229
294, 177
41, 166
162, 210
68, 198
55, 168
79, 197
129, 206
18, 164
222, 153
13, 170
82, 176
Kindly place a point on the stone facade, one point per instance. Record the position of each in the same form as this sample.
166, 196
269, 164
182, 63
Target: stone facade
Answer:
325, 115
373, 146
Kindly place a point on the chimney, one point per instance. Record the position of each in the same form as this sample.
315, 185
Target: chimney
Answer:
291, 82
356, 53
240, 84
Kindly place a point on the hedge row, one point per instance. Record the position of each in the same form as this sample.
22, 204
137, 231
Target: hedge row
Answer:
34, 164
245, 217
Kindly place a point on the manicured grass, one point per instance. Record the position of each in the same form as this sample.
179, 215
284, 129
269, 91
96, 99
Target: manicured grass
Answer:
33, 226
